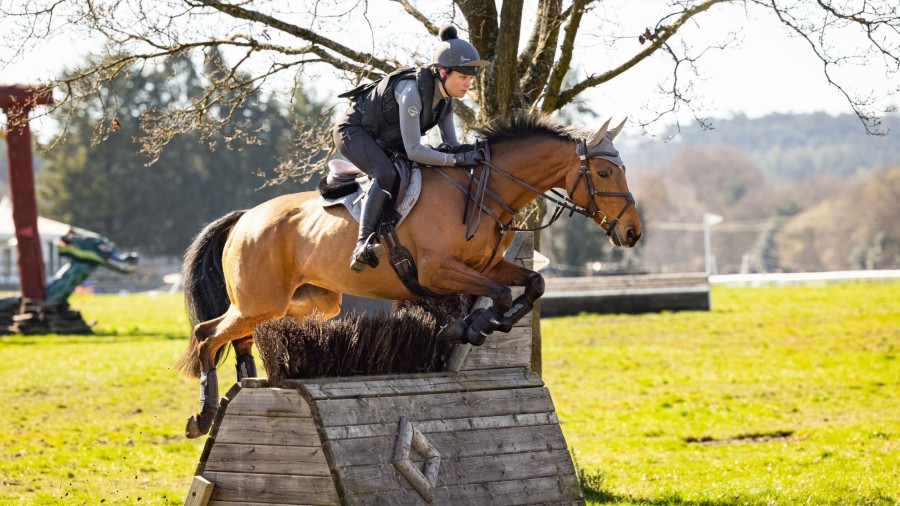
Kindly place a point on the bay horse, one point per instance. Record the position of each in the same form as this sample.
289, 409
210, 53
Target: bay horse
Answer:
287, 256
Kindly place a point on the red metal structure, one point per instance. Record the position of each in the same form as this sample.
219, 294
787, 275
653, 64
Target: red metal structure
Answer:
16, 102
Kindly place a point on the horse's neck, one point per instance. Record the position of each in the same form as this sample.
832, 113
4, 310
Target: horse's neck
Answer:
538, 162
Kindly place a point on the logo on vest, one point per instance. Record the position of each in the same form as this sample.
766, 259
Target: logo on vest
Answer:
413, 111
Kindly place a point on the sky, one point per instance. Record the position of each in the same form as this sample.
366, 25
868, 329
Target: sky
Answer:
763, 72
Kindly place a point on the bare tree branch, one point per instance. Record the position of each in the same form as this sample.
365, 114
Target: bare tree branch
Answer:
415, 13
303, 33
661, 34
565, 56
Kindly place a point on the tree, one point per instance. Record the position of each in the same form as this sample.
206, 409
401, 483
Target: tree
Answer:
108, 188
531, 52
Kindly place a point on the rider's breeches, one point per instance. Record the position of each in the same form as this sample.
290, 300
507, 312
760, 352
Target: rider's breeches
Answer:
356, 144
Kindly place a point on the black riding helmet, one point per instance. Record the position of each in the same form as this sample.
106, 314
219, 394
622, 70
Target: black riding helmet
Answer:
456, 54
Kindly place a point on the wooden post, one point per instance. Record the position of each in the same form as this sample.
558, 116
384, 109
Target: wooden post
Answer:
16, 102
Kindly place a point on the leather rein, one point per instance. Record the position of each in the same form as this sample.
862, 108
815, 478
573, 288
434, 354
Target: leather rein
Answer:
562, 202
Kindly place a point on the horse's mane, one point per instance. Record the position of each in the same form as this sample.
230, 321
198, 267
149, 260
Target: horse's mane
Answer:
524, 124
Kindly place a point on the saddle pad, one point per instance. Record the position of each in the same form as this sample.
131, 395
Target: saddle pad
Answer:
353, 201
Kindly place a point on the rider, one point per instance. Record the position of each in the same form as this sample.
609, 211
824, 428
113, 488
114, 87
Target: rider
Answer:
392, 114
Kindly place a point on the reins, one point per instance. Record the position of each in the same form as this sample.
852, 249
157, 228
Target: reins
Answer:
562, 202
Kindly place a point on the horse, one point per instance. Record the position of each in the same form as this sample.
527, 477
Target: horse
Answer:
287, 257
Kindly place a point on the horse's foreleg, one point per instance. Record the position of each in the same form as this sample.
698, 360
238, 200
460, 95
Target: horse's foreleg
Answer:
246, 366
511, 274
456, 277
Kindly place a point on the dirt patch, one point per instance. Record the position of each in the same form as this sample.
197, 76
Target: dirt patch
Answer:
754, 437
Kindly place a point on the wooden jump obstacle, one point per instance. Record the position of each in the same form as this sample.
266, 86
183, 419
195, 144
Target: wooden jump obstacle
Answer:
484, 432
633, 294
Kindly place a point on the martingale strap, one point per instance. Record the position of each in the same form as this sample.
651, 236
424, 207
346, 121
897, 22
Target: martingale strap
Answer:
403, 262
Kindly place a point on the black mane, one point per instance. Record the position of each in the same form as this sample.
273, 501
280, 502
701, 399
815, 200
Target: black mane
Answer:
523, 124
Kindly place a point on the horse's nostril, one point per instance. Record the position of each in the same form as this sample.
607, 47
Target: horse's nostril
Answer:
632, 236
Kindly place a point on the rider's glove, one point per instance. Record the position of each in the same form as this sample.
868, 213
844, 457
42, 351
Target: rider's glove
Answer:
468, 159
461, 148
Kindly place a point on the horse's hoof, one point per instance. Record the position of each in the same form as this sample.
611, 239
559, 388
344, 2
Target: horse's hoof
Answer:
198, 425
474, 337
192, 430
453, 332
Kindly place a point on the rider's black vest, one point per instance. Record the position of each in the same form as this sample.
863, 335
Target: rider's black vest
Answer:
377, 110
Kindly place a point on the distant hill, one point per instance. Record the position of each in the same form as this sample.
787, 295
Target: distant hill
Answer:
854, 229
786, 146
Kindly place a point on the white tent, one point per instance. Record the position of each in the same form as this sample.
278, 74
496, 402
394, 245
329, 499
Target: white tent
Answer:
48, 230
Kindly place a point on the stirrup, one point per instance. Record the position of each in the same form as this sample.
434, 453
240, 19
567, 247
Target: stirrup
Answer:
364, 255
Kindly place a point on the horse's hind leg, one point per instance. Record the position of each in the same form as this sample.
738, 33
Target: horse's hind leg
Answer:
246, 366
212, 335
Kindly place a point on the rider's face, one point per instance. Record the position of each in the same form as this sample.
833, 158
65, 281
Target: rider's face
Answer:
457, 84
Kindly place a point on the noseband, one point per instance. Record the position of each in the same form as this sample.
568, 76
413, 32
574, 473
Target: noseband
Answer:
592, 209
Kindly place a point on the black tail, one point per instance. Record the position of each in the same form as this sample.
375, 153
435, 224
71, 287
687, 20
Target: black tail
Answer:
205, 297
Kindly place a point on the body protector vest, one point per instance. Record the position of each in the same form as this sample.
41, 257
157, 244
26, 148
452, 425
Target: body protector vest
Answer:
376, 108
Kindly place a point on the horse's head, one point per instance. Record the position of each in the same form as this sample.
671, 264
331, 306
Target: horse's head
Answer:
81, 245
597, 184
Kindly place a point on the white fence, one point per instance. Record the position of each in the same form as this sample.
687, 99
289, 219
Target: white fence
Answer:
799, 278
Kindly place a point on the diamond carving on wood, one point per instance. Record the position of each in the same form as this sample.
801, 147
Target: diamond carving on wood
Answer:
422, 480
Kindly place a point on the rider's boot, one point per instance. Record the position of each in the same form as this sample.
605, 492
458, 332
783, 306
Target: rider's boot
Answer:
373, 207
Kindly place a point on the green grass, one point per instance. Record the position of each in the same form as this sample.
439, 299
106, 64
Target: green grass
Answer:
813, 368
791, 394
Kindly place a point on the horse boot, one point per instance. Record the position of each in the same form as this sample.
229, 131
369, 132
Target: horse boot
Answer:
373, 206
246, 367
520, 307
198, 425
483, 324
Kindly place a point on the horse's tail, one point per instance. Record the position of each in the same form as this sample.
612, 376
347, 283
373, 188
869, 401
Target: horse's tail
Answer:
203, 279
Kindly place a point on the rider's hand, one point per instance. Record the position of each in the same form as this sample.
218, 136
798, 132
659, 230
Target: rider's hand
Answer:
461, 148
468, 159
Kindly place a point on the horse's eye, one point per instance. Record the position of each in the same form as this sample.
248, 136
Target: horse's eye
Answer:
603, 173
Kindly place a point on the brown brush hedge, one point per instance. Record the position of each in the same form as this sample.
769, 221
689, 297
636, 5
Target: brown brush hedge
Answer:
359, 344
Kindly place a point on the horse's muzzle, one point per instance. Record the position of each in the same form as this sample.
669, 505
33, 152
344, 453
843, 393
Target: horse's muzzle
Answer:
631, 237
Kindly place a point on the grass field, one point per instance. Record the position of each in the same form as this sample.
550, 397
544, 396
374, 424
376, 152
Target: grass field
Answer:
776, 396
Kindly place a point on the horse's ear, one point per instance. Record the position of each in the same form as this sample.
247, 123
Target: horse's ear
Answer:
595, 139
615, 131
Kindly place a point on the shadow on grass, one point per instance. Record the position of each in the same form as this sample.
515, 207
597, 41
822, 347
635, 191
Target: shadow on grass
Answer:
593, 490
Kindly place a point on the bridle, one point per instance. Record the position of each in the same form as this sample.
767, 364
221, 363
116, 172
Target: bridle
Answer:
584, 154
562, 202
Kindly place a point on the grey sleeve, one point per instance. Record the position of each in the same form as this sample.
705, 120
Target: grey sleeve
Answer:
448, 130
410, 107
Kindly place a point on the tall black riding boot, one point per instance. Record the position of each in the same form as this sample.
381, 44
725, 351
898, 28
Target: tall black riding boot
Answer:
373, 206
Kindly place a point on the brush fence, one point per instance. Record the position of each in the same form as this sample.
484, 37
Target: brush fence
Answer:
485, 432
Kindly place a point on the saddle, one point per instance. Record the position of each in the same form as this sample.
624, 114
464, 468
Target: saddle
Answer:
345, 184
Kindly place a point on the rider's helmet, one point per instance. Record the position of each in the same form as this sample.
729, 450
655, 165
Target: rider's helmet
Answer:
456, 54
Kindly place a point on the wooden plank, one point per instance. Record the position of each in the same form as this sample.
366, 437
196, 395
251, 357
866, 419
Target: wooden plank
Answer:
300, 384
242, 503
435, 426
263, 459
468, 443
199, 492
554, 284
434, 406
548, 490
275, 402
461, 471
512, 349
265, 430
563, 304
500, 379
272, 488
255, 383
